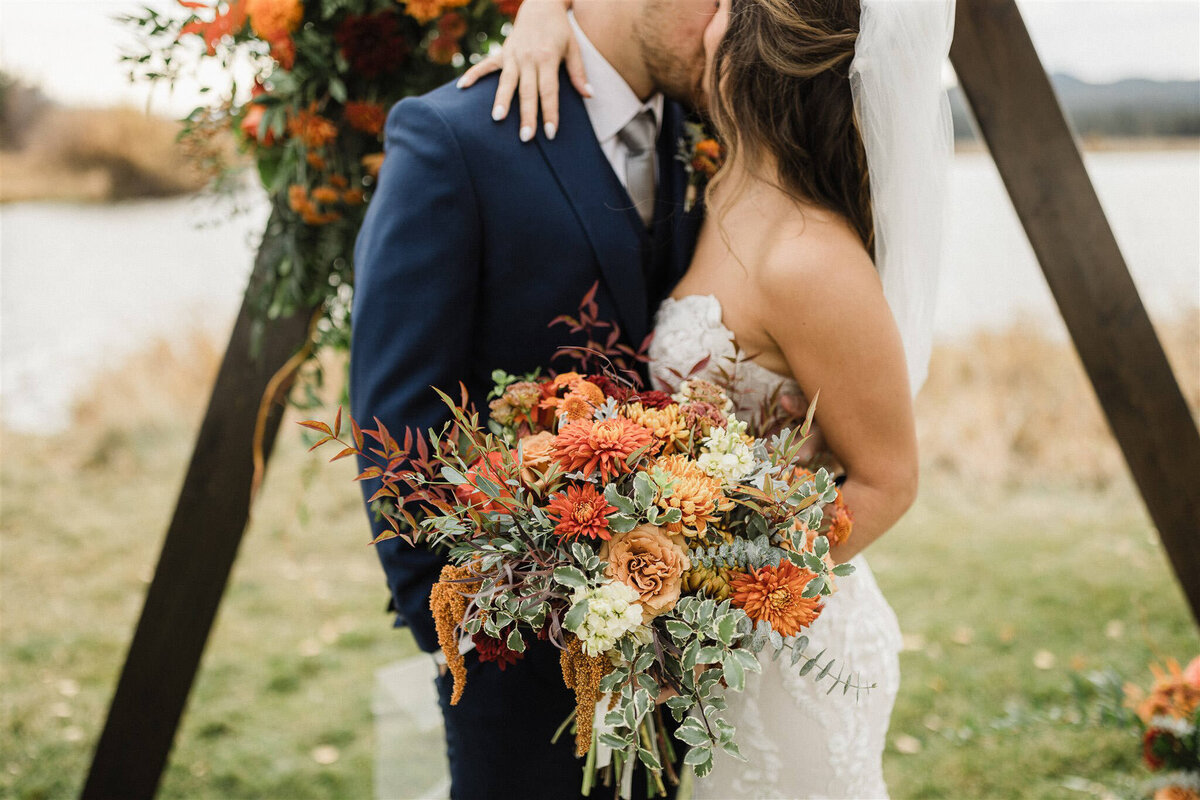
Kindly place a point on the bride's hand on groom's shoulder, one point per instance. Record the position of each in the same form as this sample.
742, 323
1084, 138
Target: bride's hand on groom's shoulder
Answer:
528, 63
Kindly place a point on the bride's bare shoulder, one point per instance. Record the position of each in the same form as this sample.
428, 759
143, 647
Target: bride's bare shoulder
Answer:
819, 261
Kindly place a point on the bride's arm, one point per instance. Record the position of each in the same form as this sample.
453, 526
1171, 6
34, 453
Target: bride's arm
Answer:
829, 317
541, 40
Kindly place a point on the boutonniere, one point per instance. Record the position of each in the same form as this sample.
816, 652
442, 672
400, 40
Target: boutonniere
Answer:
702, 155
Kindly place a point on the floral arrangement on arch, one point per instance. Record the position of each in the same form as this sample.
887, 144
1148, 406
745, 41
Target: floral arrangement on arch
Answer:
325, 73
661, 543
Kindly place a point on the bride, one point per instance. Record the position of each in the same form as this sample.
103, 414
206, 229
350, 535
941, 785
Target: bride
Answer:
819, 258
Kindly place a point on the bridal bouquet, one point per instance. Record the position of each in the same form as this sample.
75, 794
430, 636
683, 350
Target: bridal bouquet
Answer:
658, 541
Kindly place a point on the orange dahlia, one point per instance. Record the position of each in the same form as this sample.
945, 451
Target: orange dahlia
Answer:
667, 425
581, 512
774, 594
603, 446
273, 20
694, 492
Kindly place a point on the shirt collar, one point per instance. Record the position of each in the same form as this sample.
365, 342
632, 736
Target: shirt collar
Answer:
612, 104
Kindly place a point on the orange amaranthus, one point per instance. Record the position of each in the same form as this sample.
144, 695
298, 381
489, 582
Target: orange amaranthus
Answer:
588, 446
774, 594
581, 511
448, 602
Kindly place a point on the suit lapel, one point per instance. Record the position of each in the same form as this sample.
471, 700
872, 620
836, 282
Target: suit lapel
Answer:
603, 208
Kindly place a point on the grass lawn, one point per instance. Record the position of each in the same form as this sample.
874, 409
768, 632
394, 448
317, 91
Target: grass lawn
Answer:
1004, 590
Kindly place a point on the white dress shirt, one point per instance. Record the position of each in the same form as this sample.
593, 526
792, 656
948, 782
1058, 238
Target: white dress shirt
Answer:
612, 104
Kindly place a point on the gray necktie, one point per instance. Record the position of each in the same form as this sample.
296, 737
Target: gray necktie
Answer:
638, 137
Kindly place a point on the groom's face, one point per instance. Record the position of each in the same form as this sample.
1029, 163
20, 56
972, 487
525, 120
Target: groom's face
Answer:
671, 35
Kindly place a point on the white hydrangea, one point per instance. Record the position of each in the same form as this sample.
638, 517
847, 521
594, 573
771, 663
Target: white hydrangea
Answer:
612, 612
725, 455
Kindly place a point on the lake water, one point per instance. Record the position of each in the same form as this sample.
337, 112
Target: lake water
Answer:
83, 285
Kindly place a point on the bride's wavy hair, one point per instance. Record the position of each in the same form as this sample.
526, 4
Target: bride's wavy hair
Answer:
782, 89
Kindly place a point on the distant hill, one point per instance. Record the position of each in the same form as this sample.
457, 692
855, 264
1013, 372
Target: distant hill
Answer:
1126, 108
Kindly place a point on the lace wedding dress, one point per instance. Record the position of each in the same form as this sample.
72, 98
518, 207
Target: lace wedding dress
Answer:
799, 741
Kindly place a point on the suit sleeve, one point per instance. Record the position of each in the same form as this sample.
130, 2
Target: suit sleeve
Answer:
417, 277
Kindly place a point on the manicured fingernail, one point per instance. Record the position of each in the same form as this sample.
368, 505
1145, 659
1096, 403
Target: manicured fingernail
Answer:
461, 81
551, 131
498, 113
526, 133
587, 89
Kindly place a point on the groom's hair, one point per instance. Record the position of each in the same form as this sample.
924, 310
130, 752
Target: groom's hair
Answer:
780, 86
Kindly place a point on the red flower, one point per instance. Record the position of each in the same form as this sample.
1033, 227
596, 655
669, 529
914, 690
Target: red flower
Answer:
496, 650
581, 512
453, 25
611, 388
1152, 751
654, 399
373, 44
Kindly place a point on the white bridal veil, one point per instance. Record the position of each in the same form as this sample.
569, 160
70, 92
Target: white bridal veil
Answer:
904, 119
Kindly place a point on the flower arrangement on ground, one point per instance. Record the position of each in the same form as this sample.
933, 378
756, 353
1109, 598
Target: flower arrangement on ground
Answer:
1169, 716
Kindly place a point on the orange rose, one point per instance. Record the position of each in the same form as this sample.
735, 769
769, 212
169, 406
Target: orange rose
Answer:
651, 562
537, 451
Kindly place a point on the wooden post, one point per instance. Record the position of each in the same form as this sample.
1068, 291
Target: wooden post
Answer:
200, 546
1032, 145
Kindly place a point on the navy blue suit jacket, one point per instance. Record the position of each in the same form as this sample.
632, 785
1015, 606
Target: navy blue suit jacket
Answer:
472, 244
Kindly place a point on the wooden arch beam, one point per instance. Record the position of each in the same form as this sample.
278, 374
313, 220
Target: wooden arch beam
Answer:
1033, 147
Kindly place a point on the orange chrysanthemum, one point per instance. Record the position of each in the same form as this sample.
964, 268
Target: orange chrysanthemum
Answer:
774, 594
311, 128
695, 493
366, 117
602, 446
581, 512
273, 20
667, 425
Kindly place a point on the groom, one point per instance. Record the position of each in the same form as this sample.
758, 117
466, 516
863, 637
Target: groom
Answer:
473, 243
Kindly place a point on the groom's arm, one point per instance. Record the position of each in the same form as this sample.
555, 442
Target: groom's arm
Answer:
417, 264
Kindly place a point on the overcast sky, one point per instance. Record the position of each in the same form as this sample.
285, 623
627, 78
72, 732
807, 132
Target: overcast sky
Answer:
70, 47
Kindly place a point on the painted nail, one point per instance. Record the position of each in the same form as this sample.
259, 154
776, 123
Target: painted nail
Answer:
498, 113
461, 81
551, 131
588, 90
526, 133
